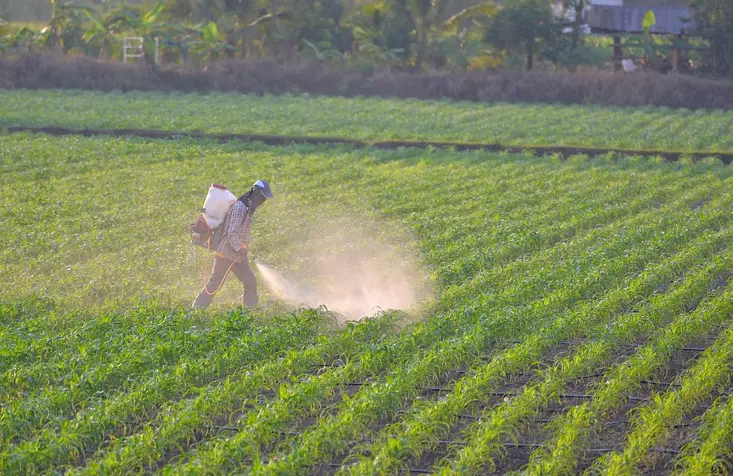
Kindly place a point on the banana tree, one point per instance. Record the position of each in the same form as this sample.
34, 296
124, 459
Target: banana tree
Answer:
322, 54
649, 21
4, 34
231, 17
100, 31
22, 37
210, 42
146, 26
522, 26
462, 26
63, 18
368, 27
267, 24
485, 9
53, 30
425, 14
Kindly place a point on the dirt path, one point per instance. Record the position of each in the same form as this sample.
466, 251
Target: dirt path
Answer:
562, 151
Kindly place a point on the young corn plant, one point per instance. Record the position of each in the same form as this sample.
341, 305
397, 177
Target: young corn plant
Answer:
571, 430
332, 434
711, 450
325, 378
68, 440
235, 441
131, 339
181, 422
651, 425
527, 252
420, 431
485, 439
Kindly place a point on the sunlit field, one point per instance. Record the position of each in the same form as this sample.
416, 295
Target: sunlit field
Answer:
376, 119
567, 315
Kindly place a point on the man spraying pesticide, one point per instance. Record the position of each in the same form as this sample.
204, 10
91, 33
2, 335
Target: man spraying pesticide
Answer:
225, 228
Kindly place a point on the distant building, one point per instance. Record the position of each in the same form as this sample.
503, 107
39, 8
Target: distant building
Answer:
626, 16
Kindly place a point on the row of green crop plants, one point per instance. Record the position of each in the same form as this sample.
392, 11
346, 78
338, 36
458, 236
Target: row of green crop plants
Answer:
375, 119
564, 252
423, 429
332, 435
101, 380
121, 182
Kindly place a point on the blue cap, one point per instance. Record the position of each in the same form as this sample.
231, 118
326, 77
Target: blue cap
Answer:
264, 188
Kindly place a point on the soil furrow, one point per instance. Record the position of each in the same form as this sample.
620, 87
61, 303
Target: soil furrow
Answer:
277, 140
614, 434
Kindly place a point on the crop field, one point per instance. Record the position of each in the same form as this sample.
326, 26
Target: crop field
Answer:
575, 315
375, 119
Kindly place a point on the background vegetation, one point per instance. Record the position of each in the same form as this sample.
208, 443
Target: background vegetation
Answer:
578, 314
448, 35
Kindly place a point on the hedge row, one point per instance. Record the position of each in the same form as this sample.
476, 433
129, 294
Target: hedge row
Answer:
272, 77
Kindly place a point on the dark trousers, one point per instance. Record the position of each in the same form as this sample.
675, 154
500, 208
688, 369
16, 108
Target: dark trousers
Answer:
241, 270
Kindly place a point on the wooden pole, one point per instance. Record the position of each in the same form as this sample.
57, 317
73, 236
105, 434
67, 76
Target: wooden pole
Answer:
617, 54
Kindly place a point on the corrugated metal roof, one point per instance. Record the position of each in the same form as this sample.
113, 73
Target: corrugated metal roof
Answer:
654, 3
629, 19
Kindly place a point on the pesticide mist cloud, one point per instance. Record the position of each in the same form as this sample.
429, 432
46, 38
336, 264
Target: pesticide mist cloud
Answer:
352, 269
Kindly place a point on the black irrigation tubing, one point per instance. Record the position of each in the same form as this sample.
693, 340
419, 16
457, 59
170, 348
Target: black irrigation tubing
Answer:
594, 375
502, 394
509, 445
604, 423
462, 416
515, 394
530, 374
562, 151
664, 384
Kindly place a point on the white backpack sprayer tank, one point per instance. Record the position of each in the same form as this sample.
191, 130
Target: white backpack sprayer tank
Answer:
216, 206
218, 202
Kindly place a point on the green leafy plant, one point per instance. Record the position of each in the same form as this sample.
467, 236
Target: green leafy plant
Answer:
542, 271
322, 55
522, 26
377, 119
210, 42
101, 31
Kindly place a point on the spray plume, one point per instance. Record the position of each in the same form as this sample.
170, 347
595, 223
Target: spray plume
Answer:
353, 270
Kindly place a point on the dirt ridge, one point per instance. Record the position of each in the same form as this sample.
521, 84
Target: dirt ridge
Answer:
563, 151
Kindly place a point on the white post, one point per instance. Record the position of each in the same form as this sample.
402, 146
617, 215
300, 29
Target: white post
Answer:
132, 47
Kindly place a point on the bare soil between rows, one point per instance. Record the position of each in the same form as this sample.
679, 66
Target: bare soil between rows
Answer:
563, 152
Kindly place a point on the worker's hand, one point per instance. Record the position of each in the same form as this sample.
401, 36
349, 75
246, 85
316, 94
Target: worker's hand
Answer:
243, 252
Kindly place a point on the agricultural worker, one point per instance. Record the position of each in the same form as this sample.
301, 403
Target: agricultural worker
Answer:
231, 255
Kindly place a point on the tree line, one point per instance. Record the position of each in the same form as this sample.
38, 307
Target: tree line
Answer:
452, 35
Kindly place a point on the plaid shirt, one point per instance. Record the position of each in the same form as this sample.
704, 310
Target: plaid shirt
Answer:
236, 231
